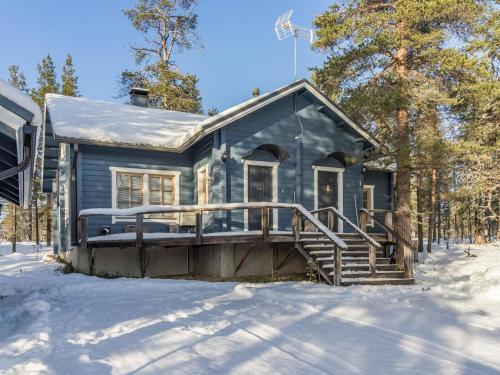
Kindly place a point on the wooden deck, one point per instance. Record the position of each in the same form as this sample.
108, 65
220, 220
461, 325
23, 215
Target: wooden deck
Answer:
339, 258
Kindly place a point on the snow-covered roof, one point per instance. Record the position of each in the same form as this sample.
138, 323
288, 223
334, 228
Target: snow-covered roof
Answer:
381, 165
95, 121
19, 118
22, 100
90, 121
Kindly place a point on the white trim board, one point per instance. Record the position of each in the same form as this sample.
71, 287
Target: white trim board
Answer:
371, 188
340, 190
274, 165
145, 189
200, 169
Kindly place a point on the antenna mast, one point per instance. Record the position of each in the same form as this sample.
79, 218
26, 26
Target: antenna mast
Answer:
285, 29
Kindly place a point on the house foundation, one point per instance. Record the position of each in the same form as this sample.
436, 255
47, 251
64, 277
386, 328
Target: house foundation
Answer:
225, 261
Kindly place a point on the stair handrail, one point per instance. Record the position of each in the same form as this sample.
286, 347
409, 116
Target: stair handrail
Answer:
386, 228
350, 223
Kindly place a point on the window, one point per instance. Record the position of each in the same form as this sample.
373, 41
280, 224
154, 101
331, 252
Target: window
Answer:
368, 201
138, 187
129, 191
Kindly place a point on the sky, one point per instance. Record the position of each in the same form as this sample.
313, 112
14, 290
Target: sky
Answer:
239, 50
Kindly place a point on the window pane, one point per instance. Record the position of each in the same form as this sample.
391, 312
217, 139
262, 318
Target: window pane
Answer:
167, 183
122, 180
155, 197
154, 183
168, 197
128, 190
136, 182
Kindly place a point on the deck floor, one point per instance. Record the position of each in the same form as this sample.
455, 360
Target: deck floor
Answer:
177, 239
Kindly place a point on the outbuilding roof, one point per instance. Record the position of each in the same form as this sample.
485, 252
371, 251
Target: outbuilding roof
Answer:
20, 117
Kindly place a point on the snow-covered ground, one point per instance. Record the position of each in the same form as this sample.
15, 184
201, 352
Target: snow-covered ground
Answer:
448, 323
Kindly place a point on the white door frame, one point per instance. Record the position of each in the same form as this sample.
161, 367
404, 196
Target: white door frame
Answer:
200, 169
274, 165
371, 188
340, 189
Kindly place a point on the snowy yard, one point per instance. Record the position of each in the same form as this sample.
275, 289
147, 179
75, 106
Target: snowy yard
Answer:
448, 323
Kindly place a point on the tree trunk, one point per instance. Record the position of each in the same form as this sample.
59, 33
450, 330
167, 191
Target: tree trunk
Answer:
470, 227
37, 227
432, 206
439, 221
14, 228
420, 224
403, 181
30, 223
49, 226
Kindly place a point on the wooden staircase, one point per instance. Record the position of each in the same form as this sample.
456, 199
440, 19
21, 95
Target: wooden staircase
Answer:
354, 260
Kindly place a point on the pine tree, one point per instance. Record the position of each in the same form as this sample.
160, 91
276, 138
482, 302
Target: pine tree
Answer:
69, 78
168, 27
385, 57
46, 82
17, 78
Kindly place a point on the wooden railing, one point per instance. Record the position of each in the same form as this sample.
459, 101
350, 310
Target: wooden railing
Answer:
388, 227
299, 215
372, 244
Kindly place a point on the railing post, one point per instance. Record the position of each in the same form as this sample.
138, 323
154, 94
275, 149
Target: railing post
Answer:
83, 232
364, 220
139, 230
199, 226
331, 220
296, 225
408, 261
388, 221
337, 258
265, 223
372, 260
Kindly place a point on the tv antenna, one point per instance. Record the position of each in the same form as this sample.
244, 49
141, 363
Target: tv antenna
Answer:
285, 29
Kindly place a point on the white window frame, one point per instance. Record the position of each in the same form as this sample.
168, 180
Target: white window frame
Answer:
340, 190
204, 167
371, 188
274, 165
145, 191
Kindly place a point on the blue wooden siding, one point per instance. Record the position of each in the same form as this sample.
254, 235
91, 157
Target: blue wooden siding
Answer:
96, 177
382, 194
277, 124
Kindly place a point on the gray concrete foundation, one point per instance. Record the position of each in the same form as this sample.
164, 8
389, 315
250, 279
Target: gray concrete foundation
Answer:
225, 261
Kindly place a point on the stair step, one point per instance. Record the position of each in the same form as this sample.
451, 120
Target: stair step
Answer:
320, 252
325, 246
315, 240
378, 281
363, 254
325, 259
379, 274
363, 260
364, 246
349, 235
365, 267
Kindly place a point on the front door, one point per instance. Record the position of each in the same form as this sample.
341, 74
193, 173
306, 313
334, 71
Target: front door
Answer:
327, 194
260, 189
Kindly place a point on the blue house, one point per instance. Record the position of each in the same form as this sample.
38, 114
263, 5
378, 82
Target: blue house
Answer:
290, 146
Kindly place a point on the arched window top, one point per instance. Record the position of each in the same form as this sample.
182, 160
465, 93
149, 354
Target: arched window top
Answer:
335, 159
267, 152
